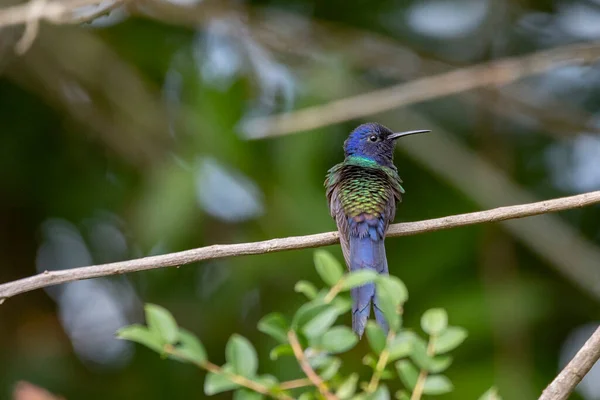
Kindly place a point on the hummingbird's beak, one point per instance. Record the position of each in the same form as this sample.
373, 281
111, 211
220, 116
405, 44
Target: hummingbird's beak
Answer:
398, 135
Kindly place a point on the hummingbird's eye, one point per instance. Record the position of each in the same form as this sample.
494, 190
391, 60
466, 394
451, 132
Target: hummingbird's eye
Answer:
373, 138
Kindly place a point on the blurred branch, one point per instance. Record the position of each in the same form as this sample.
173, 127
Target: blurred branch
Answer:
79, 75
363, 48
304, 364
562, 386
27, 391
49, 278
306, 38
499, 72
279, 31
565, 249
58, 12
391, 59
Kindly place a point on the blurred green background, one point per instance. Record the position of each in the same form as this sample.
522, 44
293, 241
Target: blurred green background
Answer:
128, 137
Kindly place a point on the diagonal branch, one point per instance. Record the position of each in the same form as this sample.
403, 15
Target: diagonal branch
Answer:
500, 72
562, 386
310, 373
49, 278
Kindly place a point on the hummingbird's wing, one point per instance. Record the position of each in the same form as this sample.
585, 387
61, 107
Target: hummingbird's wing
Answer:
336, 210
396, 195
341, 220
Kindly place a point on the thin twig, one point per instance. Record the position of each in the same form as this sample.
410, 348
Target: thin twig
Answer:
235, 378
334, 291
295, 384
500, 72
381, 363
36, 8
245, 382
49, 278
310, 373
564, 384
420, 385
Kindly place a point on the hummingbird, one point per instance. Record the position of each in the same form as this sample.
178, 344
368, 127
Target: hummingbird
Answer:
362, 192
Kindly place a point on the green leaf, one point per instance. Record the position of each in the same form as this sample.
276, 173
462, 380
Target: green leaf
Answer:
408, 373
306, 312
376, 337
437, 384
217, 383
274, 325
401, 346
306, 288
402, 395
142, 335
321, 322
319, 359
449, 340
419, 353
328, 267
389, 301
358, 278
162, 322
240, 354
348, 387
307, 396
342, 303
491, 394
330, 368
190, 347
439, 364
434, 321
387, 374
382, 393
339, 339
281, 350
370, 361
245, 394
266, 380
394, 286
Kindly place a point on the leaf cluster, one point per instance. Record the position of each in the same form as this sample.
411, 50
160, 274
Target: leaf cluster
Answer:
313, 336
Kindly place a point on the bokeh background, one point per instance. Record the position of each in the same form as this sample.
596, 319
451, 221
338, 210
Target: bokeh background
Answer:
130, 136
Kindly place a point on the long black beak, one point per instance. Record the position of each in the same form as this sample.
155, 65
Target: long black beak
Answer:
397, 135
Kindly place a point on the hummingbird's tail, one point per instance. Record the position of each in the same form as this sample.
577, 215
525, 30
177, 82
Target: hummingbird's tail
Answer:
367, 252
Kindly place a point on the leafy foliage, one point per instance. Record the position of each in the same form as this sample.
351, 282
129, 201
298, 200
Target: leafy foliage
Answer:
402, 354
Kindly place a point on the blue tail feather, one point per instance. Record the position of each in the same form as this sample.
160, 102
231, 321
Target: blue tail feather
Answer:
367, 252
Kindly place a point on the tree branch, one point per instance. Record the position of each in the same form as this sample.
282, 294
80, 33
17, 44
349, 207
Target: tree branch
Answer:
295, 384
420, 385
500, 72
49, 278
562, 386
235, 378
34, 11
310, 373
58, 12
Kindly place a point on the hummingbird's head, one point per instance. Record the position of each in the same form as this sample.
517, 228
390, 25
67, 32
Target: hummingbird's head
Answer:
374, 141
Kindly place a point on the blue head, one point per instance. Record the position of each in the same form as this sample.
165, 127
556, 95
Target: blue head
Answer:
375, 142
